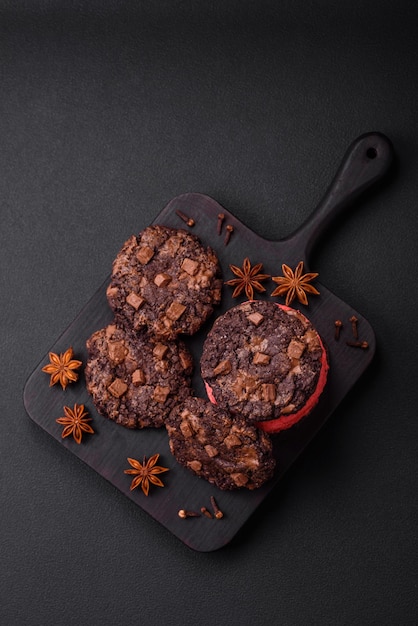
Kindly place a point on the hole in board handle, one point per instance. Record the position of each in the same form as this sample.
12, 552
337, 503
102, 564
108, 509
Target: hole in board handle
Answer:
371, 153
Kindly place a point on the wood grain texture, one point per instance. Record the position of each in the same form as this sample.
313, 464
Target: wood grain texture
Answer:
366, 162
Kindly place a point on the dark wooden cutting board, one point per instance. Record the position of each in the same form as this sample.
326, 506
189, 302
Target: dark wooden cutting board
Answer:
365, 163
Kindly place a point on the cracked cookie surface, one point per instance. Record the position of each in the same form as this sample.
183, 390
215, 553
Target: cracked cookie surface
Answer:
166, 280
136, 380
225, 450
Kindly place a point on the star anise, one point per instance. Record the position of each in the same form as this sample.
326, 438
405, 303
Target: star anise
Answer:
61, 368
75, 422
294, 284
249, 278
145, 473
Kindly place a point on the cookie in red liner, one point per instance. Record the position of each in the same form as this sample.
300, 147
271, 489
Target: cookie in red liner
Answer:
265, 362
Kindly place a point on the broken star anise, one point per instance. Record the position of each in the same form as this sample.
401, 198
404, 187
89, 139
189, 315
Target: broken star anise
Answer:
294, 284
75, 422
248, 279
61, 368
145, 473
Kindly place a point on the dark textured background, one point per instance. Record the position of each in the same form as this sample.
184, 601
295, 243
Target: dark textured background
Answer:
107, 111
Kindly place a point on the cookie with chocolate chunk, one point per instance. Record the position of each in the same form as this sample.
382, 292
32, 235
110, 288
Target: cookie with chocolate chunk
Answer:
136, 380
225, 450
165, 280
266, 363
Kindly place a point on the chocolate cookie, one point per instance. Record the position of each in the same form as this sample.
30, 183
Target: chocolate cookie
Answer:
266, 363
136, 380
166, 280
226, 451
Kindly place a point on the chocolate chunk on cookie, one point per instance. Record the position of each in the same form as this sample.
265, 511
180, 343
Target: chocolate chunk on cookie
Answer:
265, 362
225, 450
136, 380
164, 279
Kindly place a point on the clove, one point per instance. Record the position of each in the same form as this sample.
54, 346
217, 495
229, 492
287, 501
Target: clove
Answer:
229, 231
221, 217
338, 325
358, 344
183, 513
217, 512
354, 322
188, 220
206, 512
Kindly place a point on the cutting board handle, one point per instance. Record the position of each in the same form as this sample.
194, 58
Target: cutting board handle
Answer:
365, 163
